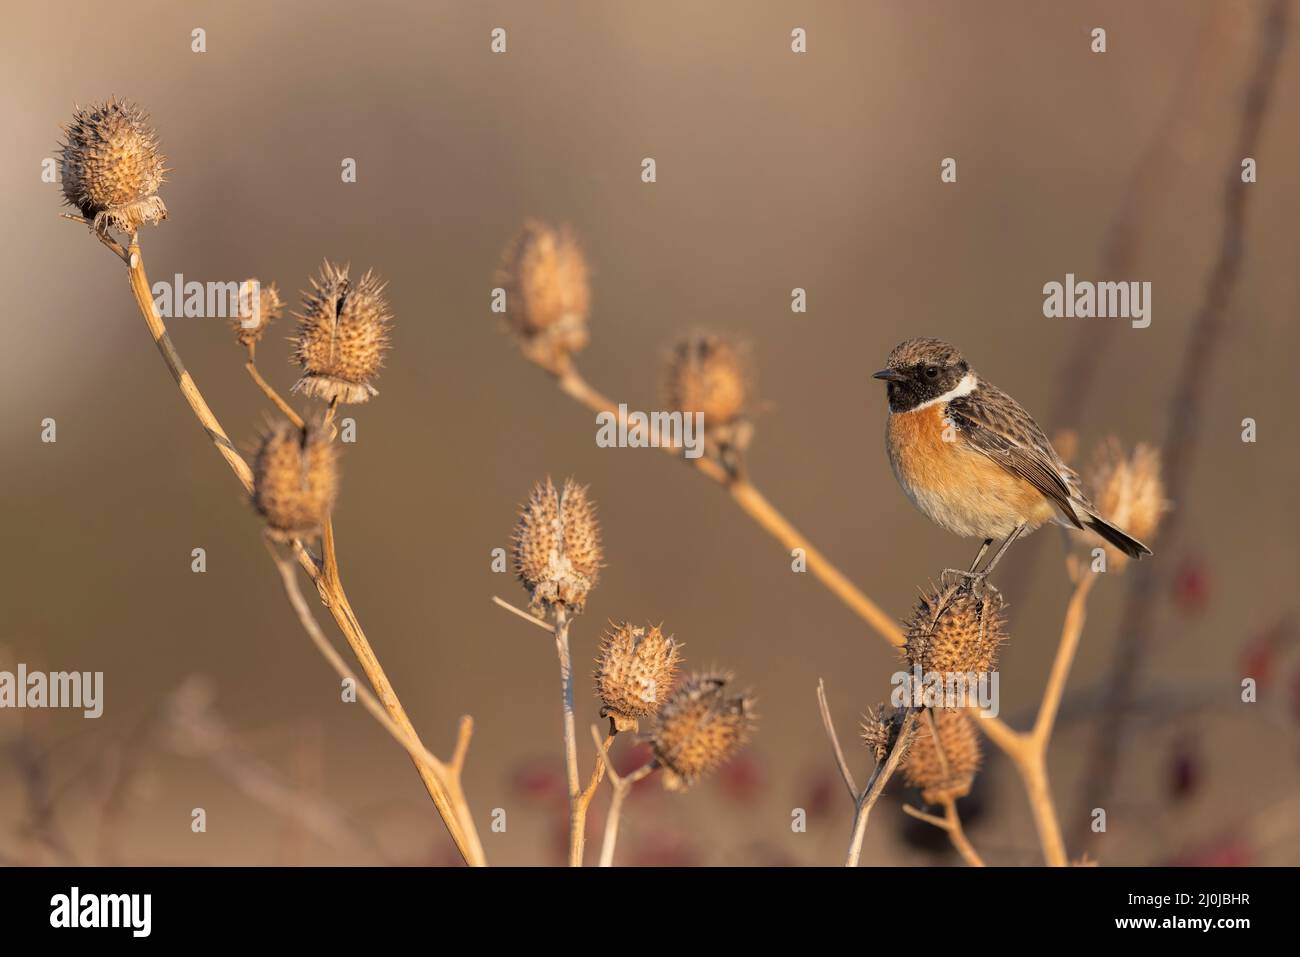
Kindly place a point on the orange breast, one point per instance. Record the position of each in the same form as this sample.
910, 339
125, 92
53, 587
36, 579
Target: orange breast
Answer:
917, 447
961, 489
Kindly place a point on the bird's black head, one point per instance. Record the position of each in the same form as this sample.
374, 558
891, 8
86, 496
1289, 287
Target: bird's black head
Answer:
919, 370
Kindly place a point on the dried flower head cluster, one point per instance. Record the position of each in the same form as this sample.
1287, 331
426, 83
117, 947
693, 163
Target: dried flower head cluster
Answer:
1129, 491
259, 306
111, 166
712, 374
557, 547
343, 334
944, 772
956, 628
880, 729
700, 727
548, 299
295, 480
634, 673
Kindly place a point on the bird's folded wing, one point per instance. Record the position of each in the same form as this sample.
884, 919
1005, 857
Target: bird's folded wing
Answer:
992, 423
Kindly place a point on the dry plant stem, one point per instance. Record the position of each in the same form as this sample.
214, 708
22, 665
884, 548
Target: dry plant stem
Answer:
597, 774
532, 619
957, 834
614, 816
829, 726
274, 396
579, 799
144, 299
331, 591
1028, 749
448, 775
577, 809
330, 585
875, 787
622, 785
950, 824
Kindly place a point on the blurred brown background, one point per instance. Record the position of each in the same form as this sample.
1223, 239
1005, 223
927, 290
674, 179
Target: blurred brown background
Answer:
774, 171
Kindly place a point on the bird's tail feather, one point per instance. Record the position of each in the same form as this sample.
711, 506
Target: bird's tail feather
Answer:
1121, 539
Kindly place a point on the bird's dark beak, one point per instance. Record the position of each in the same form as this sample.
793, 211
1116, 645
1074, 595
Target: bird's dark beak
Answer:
889, 375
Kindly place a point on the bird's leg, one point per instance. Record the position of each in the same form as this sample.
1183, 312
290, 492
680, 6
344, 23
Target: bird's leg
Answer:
1015, 533
983, 548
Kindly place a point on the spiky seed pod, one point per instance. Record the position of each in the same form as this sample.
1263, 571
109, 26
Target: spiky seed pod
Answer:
548, 297
700, 727
634, 673
880, 731
712, 374
557, 547
343, 334
956, 628
951, 775
111, 166
1129, 492
295, 480
259, 306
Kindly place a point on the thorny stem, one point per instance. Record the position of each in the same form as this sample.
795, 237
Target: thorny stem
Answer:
331, 591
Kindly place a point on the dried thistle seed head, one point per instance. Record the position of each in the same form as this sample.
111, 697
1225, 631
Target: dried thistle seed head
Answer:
956, 628
343, 334
259, 306
710, 373
295, 480
1129, 492
700, 727
880, 731
634, 673
945, 772
548, 298
557, 545
111, 166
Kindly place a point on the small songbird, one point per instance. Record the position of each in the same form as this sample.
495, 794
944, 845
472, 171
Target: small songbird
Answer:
973, 460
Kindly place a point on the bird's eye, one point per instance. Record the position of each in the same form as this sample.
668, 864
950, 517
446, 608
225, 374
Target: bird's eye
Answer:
931, 371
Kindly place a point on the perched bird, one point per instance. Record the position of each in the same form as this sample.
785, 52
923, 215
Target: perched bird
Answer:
973, 460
